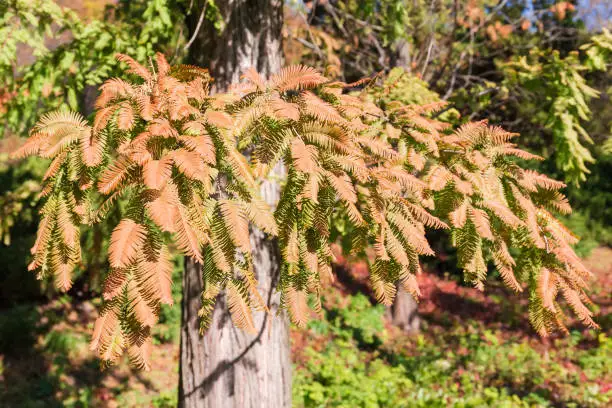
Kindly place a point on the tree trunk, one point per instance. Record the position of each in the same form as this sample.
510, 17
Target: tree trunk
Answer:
227, 367
403, 313
250, 36
404, 310
400, 55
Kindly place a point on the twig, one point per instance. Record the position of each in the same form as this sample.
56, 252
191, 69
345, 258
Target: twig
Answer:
451, 86
441, 111
197, 29
431, 43
316, 48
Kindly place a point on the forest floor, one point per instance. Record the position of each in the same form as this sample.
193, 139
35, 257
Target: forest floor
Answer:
474, 349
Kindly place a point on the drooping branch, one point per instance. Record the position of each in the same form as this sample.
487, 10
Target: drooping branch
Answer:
364, 159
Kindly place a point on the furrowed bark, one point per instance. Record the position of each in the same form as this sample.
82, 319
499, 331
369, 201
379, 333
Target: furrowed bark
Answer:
403, 312
227, 367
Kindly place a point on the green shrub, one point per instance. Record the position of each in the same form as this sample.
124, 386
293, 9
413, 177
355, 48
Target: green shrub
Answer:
468, 366
359, 320
167, 399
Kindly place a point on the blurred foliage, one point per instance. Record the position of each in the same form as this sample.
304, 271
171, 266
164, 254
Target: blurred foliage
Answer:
18, 211
402, 86
83, 55
45, 359
555, 95
18, 204
599, 51
29, 24
359, 320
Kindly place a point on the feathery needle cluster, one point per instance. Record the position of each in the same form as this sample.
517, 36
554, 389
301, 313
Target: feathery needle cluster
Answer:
188, 166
